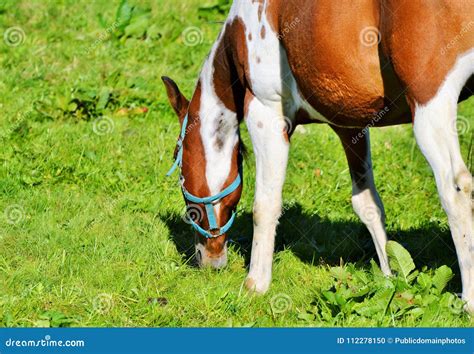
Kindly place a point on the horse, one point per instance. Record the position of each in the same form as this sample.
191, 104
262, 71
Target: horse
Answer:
350, 64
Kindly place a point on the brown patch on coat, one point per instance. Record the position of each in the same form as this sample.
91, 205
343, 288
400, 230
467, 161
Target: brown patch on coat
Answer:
231, 68
194, 157
347, 84
263, 32
335, 84
272, 14
250, 36
422, 60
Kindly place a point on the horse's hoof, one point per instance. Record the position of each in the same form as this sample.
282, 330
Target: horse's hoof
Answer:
255, 287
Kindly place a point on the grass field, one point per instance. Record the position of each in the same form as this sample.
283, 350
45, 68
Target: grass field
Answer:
91, 231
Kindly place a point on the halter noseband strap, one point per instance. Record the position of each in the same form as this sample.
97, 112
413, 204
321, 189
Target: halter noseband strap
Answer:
207, 201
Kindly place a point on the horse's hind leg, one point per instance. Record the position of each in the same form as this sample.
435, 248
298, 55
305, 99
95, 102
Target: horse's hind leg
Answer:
271, 146
435, 132
365, 199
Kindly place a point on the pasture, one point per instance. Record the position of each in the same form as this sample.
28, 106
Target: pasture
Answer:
92, 232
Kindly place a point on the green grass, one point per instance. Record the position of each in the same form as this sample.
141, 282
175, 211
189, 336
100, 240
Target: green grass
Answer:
90, 229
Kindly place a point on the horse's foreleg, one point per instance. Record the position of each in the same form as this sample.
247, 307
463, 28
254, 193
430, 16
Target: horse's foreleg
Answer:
271, 146
365, 199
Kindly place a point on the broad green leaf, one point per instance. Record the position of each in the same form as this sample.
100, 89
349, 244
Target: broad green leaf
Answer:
377, 304
412, 276
361, 278
123, 16
137, 27
424, 280
441, 277
400, 260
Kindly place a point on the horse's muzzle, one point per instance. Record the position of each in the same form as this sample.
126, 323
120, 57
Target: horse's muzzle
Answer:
204, 258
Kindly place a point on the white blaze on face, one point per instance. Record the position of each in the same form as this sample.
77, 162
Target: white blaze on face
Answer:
219, 131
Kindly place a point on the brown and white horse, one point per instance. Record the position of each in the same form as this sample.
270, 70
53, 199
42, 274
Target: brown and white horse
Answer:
352, 64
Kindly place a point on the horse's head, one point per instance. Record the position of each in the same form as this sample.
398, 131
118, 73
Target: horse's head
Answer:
208, 154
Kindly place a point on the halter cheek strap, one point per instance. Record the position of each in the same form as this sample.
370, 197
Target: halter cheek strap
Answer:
179, 145
208, 202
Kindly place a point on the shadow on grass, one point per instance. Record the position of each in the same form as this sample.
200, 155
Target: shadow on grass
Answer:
317, 240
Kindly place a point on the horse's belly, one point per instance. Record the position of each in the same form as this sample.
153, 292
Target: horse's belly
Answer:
354, 96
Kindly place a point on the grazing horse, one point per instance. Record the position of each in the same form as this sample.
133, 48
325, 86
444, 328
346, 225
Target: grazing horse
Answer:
350, 64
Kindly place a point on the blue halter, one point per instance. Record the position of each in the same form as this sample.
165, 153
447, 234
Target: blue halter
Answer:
207, 201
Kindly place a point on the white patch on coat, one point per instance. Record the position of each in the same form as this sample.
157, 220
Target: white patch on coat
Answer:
436, 135
271, 79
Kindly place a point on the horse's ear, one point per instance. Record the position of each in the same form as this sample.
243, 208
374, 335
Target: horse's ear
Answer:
178, 101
